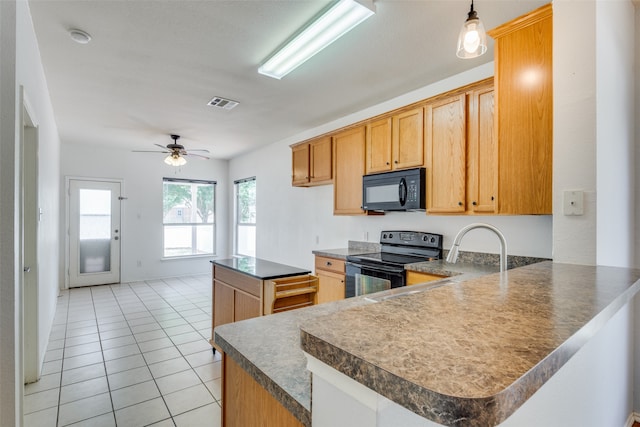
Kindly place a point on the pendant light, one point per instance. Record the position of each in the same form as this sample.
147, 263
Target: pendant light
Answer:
472, 41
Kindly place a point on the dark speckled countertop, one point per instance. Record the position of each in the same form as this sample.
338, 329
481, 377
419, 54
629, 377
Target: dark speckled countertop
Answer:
471, 352
259, 268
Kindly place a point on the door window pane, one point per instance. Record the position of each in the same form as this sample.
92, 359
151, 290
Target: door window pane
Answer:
95, 231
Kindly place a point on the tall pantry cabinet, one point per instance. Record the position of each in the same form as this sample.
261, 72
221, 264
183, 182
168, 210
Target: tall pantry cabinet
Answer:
524, 109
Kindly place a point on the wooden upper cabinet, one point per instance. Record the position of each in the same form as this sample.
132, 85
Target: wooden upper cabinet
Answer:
348, 168
321, 165
524, 111
445, 122
300, 164
482, 150
396, 142
408, 139
312, 162
378, 146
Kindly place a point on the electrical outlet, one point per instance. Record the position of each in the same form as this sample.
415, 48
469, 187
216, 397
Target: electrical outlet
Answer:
317, 240
573, 203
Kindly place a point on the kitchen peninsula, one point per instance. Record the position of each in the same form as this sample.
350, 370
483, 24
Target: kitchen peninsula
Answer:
459, 352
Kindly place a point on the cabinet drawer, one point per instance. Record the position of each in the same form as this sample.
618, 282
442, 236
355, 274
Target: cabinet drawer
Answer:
330, 264
414, 277
237, 280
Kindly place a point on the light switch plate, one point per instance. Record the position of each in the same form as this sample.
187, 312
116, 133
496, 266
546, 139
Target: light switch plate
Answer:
573, 203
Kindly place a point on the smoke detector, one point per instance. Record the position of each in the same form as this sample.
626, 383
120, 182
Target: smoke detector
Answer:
79, 36
225, 104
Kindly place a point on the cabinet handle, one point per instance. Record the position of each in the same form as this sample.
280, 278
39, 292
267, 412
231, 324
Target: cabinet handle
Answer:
492, 199
329, 263
474, 204
459, 203
396, 162
387, 163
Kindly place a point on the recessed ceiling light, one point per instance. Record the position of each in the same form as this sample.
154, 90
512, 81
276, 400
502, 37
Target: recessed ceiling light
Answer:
79, 36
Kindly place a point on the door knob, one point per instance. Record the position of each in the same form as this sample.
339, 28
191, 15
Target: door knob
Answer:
27, 269
116, 238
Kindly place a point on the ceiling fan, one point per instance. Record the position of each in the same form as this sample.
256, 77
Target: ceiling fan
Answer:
176, 152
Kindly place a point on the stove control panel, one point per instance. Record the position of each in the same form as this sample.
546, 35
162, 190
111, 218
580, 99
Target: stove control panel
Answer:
411, 238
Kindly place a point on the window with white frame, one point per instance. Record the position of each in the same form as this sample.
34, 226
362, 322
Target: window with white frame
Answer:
188, 217
245, 191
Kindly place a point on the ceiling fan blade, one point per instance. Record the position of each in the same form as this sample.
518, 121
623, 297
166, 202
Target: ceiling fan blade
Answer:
161, 146
196, 155
149, 151
200, 150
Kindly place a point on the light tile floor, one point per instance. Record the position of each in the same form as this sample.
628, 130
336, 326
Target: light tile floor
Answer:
133, 354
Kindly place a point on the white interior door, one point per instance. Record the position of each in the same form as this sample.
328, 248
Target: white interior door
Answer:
94, 232
29, 230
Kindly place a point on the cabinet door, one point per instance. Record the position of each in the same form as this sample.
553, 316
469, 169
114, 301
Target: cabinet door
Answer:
348, 154
245, 306
446, 157
524, 109
321, 165
222, 303
300, 165
330, 286
482, 170
408, 139
378, 146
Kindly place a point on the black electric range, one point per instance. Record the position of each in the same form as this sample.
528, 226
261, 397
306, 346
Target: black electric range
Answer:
373, 272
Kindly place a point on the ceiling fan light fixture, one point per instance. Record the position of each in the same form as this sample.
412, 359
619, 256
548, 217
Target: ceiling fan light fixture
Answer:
327, 28
175, 159
472, 40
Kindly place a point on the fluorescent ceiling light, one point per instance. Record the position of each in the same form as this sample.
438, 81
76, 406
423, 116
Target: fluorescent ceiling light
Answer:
336, 21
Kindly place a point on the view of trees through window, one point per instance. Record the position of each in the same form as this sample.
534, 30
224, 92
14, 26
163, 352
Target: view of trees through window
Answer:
246, 216
188, 217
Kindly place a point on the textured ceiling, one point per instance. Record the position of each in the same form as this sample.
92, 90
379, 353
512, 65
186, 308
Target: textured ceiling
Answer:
153, 65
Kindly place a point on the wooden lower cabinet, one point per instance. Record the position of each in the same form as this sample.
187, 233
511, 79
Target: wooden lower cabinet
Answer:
331, 279
245, 403
238, 296
414, 277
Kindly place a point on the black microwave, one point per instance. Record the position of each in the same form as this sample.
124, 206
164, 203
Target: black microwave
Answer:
402, 190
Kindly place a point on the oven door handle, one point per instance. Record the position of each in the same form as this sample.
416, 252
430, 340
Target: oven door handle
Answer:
390, 270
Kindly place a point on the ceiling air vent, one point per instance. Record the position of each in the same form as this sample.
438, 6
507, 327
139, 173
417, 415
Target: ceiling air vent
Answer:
225, 104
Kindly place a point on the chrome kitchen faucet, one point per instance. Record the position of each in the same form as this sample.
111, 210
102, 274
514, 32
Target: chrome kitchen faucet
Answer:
453, 253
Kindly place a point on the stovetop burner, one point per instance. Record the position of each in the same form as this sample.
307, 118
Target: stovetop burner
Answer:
403, 247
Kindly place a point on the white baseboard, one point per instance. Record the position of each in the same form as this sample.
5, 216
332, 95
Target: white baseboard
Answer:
633, 417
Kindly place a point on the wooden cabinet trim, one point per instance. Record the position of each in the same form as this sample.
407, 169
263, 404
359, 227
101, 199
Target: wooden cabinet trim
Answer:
523, 21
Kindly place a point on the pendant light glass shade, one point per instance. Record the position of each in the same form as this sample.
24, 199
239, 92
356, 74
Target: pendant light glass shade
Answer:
175, 160
472, 41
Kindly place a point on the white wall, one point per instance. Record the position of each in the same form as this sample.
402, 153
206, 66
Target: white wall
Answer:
636, 156
10, 366
615, 132
21, 67
291, 222
574, 129
142, 211
30, 75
